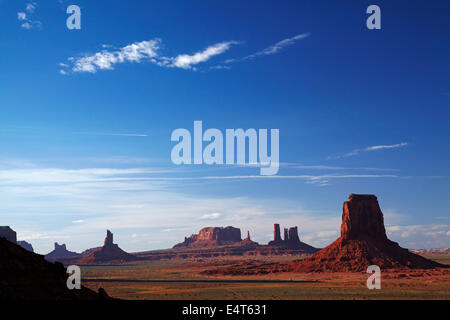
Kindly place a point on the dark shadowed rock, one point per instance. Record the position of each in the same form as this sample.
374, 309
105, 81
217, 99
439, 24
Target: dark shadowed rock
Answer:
28, 276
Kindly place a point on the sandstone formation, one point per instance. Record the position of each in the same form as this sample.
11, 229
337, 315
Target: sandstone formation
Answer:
25, 245
225, 242
28, 276
276, 233
60, 253
363, 242
291, 239
108, 253
8, 233
249, 242
212, 236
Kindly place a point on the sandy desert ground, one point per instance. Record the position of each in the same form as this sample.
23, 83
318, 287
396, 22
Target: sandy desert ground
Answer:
182, 279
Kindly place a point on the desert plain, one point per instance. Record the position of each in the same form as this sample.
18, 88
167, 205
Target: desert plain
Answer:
185, 279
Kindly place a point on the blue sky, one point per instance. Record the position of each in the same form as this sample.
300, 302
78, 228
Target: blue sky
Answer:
85, 138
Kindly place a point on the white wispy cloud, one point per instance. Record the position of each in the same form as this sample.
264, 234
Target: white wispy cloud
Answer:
214, 215
30, 7
24, 17
21, 16
368, 149
105, 60
144, 51
186, 61
420, 236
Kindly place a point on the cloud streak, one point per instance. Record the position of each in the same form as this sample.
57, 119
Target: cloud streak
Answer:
114, 134
277, 47
393, 146
186, 61
371, 148
273, 49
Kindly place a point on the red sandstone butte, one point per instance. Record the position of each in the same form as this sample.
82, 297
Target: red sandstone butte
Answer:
108, 253
291, 240
363, 242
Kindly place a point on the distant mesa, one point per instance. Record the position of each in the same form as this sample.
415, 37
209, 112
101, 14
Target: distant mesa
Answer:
291, 239
363, 242
60, 253
25, 245
212, 236
108, 253
227, 241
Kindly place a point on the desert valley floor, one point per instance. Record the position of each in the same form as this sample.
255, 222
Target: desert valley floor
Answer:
184, 279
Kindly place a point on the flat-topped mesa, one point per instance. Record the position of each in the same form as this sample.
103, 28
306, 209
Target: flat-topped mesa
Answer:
220, 233
362, 218
212, 236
